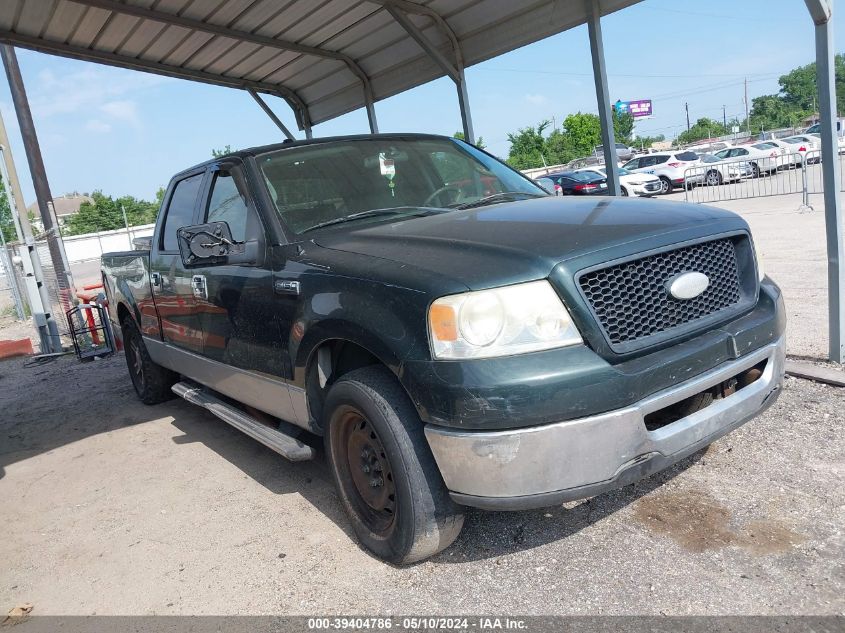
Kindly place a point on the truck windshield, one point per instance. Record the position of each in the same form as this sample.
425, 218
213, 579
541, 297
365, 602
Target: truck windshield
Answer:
326, 183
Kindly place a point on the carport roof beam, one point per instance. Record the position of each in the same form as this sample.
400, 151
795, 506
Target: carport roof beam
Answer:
111, 59
454, 71
271, 114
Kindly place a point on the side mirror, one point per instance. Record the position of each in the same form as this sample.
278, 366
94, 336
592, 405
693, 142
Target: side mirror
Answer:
212, 243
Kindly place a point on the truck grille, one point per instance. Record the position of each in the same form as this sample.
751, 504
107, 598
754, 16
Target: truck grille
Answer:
632, 302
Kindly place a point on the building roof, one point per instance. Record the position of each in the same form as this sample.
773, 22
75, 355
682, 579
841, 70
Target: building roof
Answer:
320, 56
64, 205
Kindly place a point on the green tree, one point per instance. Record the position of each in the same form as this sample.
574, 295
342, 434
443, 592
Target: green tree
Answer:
647, 141
772, 111
217, 153
528, 146
623, 126
479, 142
797, 98
583, 132
703, 128
106, 214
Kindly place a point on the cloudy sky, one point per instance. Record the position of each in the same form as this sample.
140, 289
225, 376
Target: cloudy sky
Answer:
128, 132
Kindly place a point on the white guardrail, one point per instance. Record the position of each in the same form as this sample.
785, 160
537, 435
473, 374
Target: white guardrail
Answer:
798, 173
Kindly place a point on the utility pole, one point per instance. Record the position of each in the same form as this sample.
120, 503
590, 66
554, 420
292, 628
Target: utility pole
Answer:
724, 118
686, 106
67, 292
747, 121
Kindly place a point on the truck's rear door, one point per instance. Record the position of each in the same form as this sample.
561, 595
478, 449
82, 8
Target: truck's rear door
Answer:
171, 282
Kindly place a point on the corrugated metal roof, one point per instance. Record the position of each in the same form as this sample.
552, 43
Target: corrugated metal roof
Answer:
322, 56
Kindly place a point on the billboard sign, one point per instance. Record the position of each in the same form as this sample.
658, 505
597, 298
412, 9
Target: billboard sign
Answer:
638, 109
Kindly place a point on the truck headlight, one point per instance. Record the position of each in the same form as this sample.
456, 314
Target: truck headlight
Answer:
503, 321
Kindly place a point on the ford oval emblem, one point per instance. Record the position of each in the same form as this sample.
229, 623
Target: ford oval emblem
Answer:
687, 285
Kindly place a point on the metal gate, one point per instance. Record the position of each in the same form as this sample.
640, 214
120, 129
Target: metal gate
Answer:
798, 173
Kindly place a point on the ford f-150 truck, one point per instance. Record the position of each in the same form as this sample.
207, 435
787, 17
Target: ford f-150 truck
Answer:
455, 335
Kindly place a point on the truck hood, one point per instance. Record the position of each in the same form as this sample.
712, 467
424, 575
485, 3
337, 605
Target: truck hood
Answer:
523, 241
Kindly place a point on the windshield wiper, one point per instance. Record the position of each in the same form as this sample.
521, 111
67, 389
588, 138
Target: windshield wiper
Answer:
373, 213
502, 196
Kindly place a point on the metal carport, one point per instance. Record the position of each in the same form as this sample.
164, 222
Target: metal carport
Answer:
326, 58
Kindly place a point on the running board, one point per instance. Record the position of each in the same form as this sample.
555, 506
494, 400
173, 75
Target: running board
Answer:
285, 445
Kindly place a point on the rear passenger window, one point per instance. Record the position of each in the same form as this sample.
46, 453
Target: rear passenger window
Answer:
687, 156
180, 211
659, 160
227, 204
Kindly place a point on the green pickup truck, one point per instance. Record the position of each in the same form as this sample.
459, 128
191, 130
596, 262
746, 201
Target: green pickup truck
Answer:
456, 336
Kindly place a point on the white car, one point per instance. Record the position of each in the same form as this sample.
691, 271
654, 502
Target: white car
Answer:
762, 161
643, 185
816, 129
710, 147
803, 143
789, 157
713, 171
668, 166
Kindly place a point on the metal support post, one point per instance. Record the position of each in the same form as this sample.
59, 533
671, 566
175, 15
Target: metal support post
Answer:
608, 138
455, 71
39, 174
371, 112
463, 102
822, 14
271, 114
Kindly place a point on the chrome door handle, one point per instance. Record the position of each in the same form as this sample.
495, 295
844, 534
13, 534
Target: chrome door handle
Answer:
199, 286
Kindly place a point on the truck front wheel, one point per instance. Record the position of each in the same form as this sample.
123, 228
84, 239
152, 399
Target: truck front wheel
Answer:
152, 382
384, 471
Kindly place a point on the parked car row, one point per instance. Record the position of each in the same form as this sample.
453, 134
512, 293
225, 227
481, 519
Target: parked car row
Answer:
712, 163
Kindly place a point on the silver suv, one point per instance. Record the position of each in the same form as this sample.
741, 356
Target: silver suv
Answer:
668, 166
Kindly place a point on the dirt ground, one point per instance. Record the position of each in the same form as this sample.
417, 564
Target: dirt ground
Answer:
112, 507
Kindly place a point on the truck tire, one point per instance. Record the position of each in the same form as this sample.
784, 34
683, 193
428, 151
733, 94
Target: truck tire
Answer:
152, 382
384, 471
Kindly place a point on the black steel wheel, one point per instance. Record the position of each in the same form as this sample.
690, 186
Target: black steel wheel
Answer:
152, 382
373, 489
383, 469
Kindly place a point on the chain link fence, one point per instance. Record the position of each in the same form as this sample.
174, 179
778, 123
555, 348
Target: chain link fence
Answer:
11, 306
10, 273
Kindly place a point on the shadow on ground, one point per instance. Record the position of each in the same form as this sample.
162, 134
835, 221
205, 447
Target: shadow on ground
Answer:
53, 405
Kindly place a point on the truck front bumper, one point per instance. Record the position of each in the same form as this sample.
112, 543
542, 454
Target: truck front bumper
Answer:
545, 465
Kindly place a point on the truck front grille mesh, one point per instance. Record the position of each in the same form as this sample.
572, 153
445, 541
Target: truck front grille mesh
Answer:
632, 301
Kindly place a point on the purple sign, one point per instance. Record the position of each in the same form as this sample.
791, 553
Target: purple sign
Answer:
638, 109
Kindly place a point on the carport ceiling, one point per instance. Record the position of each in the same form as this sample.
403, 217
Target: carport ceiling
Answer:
322, 56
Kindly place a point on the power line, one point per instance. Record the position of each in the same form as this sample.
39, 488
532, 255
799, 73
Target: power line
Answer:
709, 15
535, 71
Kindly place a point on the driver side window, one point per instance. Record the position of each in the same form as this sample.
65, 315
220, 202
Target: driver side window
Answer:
227, 204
